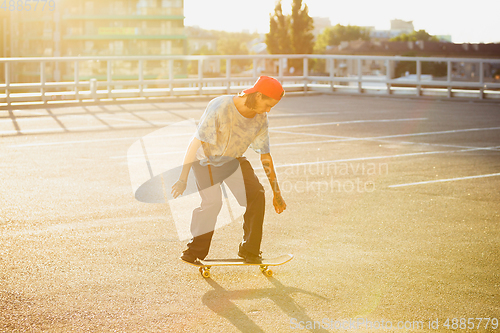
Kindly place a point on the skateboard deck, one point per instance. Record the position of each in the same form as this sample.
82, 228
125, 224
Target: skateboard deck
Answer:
205, 265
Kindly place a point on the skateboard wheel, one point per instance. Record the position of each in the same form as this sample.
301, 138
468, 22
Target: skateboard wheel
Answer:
205, 273
268, 272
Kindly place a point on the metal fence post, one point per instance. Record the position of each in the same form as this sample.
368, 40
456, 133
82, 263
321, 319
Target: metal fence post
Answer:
360, 76
77, 81
109, 74
42, 81
7, 83
332, 64
306, 73
419, 77
171, 76
448, 78
481, 80
93, 89
228, 75
200, 76
141, 78
388, 75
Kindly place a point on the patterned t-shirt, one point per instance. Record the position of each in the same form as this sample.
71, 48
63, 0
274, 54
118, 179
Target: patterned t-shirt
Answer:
226, 134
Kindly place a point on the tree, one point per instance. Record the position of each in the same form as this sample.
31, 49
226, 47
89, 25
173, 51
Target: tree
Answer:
333, 36
415, 36
278, 39
291, 34
234, 43
301, 26
230, 43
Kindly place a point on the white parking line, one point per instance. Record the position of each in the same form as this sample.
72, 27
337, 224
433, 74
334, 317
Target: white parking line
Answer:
445, 180
273, 129
115, 118
343, 138
135, 121
375, 157
60, 130
351, 122
304, 114
88, 141
347, 138
154, 154
56, 130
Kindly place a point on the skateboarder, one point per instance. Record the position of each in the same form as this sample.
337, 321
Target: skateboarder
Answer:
228, 127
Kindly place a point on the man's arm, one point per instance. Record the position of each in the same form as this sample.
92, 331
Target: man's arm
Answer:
180, 186
267, 163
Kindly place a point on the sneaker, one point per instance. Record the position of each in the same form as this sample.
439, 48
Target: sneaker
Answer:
189, 257
249, 258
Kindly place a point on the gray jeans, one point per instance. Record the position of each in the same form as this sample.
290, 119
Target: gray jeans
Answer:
246, 188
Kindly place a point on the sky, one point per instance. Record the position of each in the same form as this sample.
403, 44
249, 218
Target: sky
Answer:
468, 22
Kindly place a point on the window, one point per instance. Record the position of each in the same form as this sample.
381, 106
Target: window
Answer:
89, 7
171, 3
89, 27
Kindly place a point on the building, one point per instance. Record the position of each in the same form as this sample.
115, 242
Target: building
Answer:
96, 28
466, 71
401, 26
398, 27
320, 24
4, 23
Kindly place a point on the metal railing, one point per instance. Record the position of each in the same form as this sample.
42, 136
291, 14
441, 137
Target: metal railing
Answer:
323, 73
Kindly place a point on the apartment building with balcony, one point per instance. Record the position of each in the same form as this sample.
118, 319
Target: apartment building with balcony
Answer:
98, 28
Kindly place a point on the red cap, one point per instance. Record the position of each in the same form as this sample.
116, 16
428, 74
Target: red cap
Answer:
268, 86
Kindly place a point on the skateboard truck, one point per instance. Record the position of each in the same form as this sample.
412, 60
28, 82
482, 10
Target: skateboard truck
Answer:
205, 271
205, 265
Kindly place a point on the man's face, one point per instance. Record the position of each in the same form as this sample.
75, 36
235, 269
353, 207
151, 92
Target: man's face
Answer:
264, 104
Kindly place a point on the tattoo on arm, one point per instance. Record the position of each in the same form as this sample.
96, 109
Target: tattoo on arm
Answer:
274, 184
268, 168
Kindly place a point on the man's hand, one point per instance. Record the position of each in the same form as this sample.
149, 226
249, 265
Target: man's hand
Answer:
178, 188
279, 203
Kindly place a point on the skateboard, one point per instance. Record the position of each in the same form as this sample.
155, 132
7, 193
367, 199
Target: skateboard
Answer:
205, 265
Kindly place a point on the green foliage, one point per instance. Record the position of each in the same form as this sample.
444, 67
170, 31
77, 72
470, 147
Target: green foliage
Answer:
333, 36
301, 26
278, 39
228, 43
204, 50
233, 42
291, 34
231, 46
415, 36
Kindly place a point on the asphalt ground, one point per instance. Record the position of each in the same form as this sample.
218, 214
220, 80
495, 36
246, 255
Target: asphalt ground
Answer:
393, 217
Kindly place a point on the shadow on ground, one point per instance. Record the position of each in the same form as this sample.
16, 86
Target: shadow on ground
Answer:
219, 300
